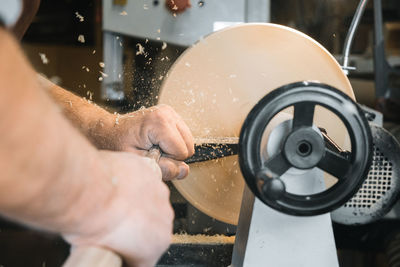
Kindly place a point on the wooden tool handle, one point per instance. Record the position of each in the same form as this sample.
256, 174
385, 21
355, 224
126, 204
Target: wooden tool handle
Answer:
100, 257
92, 257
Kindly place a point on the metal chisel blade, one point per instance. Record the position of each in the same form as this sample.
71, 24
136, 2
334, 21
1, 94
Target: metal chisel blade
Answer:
213, 148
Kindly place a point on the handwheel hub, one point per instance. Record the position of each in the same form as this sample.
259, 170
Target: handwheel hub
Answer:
304, 148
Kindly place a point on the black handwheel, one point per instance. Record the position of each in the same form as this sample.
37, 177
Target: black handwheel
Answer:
305, 148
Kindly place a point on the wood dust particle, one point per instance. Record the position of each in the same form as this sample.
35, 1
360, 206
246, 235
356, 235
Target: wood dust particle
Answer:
159, 30
101, 64
123, 13
140, 49
44, 58
81, 38
103, 74
90, 95
80, 17
145, 7
164, 45
174, 15
100, 79
93, 52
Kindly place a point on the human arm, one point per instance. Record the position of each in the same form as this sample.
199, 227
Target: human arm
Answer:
54, 179
133, 132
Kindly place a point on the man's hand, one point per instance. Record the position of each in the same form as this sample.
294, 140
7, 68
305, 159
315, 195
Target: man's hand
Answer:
54, 179
134, 132
136, 220
160, 125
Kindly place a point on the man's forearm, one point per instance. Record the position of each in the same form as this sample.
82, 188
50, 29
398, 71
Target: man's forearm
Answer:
45, 164
93, 121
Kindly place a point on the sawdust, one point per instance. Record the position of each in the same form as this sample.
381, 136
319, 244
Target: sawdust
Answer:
80, 17
103, 74
81, 38
202, 239
216, 140
44, 58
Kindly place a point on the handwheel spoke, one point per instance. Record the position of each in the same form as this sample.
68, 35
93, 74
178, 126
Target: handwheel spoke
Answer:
334, 163
303, 114
276, 165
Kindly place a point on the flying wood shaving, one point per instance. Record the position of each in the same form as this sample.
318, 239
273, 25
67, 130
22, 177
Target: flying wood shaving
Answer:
80, 17
103, 74
101, 64
123, 13
164, 45
216, 140
140, 49
90, 95
81, 38
44, 58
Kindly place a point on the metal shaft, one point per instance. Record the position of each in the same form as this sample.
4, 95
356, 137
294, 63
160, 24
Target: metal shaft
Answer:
350, 35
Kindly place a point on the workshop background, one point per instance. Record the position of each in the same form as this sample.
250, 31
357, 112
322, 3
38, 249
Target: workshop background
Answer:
66, 42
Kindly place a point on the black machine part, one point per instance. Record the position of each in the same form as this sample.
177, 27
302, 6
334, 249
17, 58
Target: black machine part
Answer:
304, 148
210, 151
380, 190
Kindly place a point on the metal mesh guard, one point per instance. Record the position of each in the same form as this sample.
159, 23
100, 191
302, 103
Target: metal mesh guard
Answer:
376, 185
381, 188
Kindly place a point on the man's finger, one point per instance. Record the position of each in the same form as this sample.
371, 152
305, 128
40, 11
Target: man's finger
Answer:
171, 142
172, 169
187, 136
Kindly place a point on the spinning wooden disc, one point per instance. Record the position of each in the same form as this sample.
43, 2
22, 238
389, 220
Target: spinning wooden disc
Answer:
214, 85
